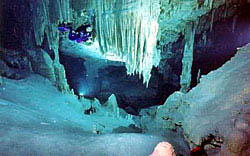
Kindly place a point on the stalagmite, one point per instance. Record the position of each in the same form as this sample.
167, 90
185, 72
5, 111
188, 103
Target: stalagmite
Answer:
112, 106
187, 59
128, 29
198, 76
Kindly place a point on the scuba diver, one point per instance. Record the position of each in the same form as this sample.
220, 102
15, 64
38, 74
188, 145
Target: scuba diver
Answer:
209, 140
81, 34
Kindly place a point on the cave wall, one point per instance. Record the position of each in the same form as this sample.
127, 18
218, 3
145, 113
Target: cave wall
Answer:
215, 46
175, 20
218, 105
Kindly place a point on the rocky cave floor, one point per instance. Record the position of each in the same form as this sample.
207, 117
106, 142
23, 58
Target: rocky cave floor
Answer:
36, 119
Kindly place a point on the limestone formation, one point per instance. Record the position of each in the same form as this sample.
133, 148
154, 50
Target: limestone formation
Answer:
42, 64
129, 29
187, 59
208, 109
112, 106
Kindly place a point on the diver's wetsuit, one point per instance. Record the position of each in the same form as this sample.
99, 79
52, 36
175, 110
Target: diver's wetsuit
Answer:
82, 34
79, 35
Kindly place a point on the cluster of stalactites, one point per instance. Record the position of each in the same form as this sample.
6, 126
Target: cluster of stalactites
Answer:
46, 15
209, 3
128, 29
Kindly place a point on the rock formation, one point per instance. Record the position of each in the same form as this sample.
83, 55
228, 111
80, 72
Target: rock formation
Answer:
208, 109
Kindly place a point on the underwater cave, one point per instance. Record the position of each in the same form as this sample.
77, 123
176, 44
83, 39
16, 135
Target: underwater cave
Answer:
125, 77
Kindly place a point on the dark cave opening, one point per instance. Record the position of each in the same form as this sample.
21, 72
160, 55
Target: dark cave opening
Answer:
12, 32
131, 93
75, 71
222, 43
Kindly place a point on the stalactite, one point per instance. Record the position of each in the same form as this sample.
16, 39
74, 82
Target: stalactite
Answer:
206, 2
45, 17
40, 18
209, 3
187, 59
204, 38
212, 21
234, 22
128, 28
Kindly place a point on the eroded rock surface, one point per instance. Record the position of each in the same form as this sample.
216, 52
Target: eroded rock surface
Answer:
219, 105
